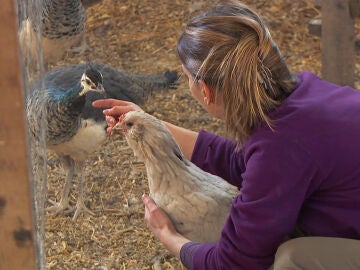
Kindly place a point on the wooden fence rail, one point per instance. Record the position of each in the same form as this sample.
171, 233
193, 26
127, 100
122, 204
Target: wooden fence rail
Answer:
17, 248
336, 26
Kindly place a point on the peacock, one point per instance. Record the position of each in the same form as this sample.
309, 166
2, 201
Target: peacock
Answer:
59, 28
75, 130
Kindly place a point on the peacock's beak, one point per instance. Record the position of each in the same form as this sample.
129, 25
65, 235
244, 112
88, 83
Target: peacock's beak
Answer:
101, 88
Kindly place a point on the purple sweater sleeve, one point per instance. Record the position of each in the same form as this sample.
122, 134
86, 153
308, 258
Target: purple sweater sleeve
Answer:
209, 149
187, 252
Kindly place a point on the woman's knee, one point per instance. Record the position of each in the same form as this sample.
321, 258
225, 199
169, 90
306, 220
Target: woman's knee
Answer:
318, 253
291, 254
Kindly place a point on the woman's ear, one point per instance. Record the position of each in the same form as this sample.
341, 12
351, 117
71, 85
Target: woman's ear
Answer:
207, 92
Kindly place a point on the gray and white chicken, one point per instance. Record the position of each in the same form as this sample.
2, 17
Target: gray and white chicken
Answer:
75, 130
197, 202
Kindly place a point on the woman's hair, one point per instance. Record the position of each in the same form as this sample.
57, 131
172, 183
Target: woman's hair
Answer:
230, 48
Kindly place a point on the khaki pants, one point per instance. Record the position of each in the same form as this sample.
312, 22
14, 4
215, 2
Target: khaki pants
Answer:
318, 253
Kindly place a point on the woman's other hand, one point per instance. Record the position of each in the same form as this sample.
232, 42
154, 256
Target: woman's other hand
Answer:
162, 227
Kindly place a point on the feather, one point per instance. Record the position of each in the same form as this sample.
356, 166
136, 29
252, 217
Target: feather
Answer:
197, 202
45, 38
74, 129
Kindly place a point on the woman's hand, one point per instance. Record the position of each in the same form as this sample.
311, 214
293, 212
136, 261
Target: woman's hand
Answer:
162, 227
115, 108
156, 219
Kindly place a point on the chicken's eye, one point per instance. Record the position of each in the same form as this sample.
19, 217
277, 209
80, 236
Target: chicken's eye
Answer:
129, 124
87, 81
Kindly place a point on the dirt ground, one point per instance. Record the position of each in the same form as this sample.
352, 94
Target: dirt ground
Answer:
140, 36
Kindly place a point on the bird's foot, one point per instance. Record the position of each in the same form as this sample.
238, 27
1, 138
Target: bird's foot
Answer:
80, 49
81, 207
59, 207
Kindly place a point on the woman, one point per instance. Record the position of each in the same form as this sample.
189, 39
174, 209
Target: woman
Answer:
296, 156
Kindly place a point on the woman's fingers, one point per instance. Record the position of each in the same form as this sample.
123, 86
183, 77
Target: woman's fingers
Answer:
110, 102
111, 121
116, 111
150, 205
153, 214
156, 219
115, 107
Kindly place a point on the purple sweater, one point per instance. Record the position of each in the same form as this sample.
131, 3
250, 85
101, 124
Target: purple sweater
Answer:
305, 173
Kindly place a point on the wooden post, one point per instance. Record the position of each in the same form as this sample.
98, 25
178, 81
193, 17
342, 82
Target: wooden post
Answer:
17, 248
337, 42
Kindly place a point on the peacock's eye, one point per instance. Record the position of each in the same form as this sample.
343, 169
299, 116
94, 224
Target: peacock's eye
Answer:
87, 81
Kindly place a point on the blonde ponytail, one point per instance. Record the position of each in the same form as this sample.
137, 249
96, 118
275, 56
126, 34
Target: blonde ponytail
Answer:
231, 49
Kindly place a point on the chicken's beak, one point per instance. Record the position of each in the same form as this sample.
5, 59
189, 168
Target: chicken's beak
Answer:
118, 129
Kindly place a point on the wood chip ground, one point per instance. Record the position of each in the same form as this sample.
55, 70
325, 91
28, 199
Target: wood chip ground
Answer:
140, 36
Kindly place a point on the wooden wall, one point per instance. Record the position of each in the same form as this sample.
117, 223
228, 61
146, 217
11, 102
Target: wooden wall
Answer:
338, 41
336, 27
17, 248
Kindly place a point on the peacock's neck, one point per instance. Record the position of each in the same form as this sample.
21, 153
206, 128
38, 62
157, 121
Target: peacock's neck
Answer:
63, 115
73, 99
